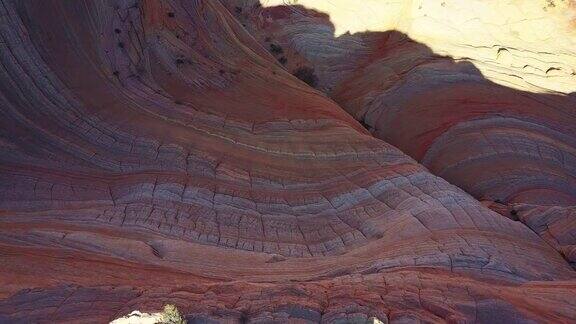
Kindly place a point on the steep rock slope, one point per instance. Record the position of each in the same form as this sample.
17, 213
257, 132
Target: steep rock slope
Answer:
154, 152
480, 92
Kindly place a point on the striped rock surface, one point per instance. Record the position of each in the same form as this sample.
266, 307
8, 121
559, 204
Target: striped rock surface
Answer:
481, 95
155, 152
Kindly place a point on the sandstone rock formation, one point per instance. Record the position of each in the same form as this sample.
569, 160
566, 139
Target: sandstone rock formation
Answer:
156, 152
485, 97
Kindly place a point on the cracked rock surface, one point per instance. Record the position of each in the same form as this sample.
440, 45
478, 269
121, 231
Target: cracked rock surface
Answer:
159, 151
482, 93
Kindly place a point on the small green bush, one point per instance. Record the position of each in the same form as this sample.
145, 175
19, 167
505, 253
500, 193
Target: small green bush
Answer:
276, 49
307, 75
171, 315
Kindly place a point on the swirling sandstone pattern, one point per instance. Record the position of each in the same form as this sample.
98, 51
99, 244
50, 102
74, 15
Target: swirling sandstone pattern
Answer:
153, 152
503, 128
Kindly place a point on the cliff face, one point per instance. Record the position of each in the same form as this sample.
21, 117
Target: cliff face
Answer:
479, 92
157, 152
431, 79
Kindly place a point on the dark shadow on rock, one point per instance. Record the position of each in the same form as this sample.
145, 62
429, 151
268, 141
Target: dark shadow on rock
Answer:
423, 103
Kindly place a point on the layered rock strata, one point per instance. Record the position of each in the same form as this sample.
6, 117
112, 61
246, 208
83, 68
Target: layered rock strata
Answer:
154, 152
479, 92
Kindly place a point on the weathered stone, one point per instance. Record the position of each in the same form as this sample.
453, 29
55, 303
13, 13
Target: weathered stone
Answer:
188, 167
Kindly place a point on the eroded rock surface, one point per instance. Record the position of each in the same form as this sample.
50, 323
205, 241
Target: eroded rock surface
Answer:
480, 92
155, 152
554, 224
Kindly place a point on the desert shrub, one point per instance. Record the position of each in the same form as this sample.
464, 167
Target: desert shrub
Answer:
276, 49
307, 75
171, 315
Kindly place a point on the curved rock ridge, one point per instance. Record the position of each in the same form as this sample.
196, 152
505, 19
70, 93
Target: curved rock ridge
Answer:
553, 223
521, 44
493, 141
154, 152
496, 117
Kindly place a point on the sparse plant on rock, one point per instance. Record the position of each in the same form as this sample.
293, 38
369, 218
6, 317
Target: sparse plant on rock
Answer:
171, 315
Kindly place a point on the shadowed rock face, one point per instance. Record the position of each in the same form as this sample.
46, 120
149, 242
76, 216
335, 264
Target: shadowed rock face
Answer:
502, 144
495, 142
155, 152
